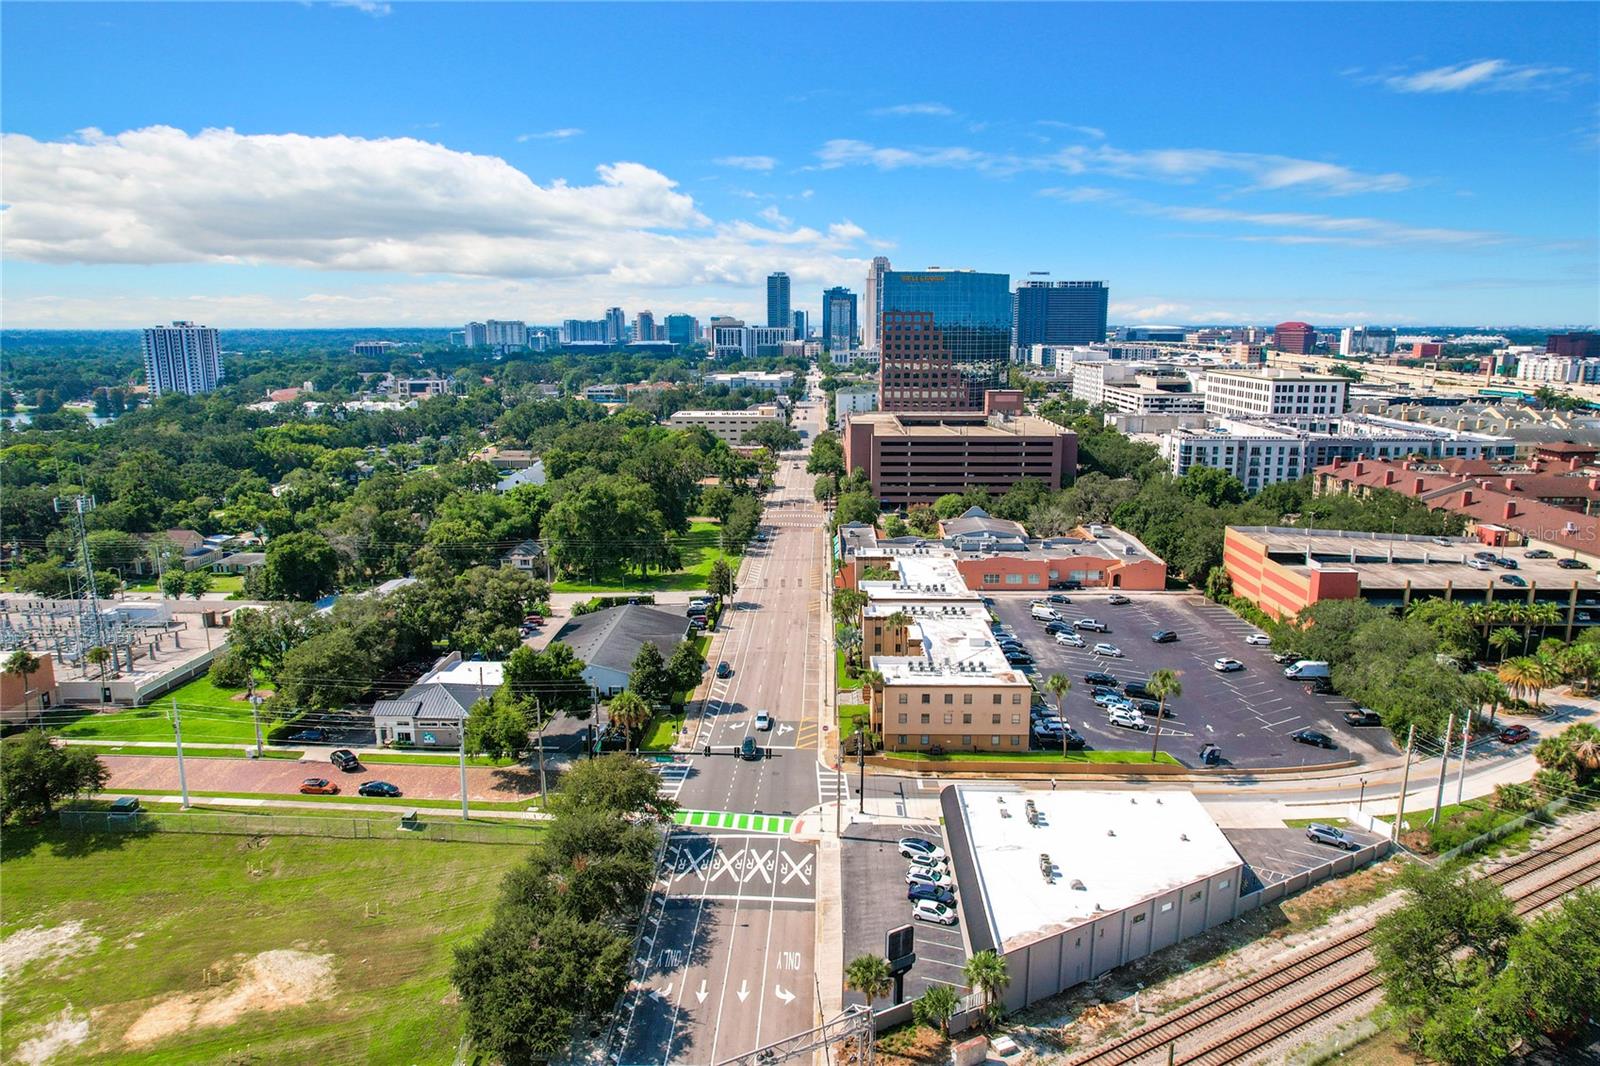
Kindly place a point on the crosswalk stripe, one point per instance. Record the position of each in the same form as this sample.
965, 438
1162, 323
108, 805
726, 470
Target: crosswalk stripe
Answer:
755, 823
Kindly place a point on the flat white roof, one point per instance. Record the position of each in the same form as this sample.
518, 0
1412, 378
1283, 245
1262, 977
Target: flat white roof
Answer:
489, 674
1123, 847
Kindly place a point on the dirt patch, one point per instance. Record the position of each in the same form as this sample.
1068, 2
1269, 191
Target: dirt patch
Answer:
66, 1030
271, 981
38, 942
915, 1045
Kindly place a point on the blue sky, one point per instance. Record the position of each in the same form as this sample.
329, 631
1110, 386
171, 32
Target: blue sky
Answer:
422, 164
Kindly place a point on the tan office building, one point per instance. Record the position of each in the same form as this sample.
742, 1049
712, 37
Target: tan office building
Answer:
915, 457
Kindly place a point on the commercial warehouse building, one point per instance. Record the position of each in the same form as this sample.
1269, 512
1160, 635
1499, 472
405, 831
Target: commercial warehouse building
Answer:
918, 457
1066, 886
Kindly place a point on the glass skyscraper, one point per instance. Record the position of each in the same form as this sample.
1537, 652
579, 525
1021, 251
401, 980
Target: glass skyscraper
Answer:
945, 339
838, 319
1059, 312
778, 313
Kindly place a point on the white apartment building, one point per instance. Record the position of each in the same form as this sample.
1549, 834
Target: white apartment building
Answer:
1360, 340
1257, 454
748, 342
1135, 388
774, 380
859, 356
1273, 394
182, 358
847, 402
1558, 369
727, 426
476, 334
505, 334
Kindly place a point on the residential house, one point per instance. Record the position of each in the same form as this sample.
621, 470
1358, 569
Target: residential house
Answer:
609, 639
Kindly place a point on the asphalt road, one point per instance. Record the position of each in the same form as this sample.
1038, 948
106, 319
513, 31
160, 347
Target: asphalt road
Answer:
730, 930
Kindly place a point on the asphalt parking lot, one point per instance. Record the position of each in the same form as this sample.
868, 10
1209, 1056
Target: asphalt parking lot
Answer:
1275, 855
1249, 714
874, 877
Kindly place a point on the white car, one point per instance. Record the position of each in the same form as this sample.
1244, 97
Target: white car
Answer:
763, 720
917, 849
1227, 666
929, 862
922, 875
1116, 599
1092, 624
1108, 649
926, 910
1071, 640
1260, 639
1127, 718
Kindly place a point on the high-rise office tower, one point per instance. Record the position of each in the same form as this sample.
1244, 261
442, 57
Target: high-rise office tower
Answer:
644, 326
872, 301
778, 315
1294, 338
504, 336
1058, 312
799, 325
682, 329
945, 339
182, 357
838, 319
616, 326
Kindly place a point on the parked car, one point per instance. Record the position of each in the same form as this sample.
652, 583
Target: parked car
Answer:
1572, 564
1054, 628
1259, 639
1127, 718
1110, 699
1108, 649
1093, 625
1480, 564
928, 875
1099, 677
1058, 598
1117, 599
1514, 580
763, 720
926, 910
1506, 562
1514, 734
378, 788
1163, 636
319, 786
1312, 737
912, 847
1070, 639
934, 893
1138, 687
1539, 553
345, 759
1318, 833
1362, 716
724, 670
1227, 666
1285, 657
1149, 707
310, 736
1484, 555
1318, 686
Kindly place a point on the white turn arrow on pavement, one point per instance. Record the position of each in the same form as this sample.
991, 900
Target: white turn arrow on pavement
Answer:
784, 994
701, 994
744, 991
785, 728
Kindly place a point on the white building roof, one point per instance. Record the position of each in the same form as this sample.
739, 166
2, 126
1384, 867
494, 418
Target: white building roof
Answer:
1122, 847
468, 673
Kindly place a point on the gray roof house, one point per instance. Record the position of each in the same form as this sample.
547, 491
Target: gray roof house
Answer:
977, 530
607, 640
528, 475
432, 713
529, 556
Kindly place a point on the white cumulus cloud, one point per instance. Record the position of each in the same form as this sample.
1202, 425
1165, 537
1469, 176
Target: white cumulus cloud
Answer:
746, 162
1481, 75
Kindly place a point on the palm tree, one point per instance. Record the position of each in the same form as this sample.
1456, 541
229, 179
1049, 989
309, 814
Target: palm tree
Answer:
1583, 663
848, 637
1547, 674
897, 621
847, 604
1518, 674
631, 711
935, 1006
1057, 686
1163, 683
24, 664
1542, 615
869, 975
1501, 639
97, 656
986, 971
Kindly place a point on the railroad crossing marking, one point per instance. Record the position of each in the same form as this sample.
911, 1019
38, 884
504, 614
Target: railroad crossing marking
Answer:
753, 823
793, 869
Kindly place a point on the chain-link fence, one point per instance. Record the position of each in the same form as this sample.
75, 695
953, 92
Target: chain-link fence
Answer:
346, 828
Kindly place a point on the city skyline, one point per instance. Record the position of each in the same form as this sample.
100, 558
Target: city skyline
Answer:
1446, 183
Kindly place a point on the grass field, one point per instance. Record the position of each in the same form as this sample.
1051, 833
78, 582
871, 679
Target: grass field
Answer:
176, 948
350, 800
190, 752
848, 714
210, 714
841, 680
1040, 756
699, 549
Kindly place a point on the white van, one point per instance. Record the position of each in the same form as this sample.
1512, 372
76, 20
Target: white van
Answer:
1306, 669
1044, 614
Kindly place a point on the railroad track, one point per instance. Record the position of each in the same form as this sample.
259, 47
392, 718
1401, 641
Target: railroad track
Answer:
1298, 1011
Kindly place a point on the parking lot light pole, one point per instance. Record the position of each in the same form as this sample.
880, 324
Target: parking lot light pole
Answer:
1405, 783
1361, 800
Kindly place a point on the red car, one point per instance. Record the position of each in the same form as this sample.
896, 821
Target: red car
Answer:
1515, 734
319, 786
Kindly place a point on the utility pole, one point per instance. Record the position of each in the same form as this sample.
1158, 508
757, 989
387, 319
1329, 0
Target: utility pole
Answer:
537, 709
177, 733
1405, 782
1444, 765
461, 748
255, 710
861, 763
1461, 775
78, 506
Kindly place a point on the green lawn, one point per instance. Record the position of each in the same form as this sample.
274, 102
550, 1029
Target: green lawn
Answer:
352, 798
843, 681
699, 549
195, 753
408, 759
848, 715
170, 915
662, 732
1301, 823
1040, 756
210, 715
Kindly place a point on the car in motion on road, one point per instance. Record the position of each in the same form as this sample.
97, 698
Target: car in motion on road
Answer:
319, 786
345, 759
1318, 833
1362, 716
1227, 666
763, 720
1069, 639
748, 749
724, 670
933, 893
1117, 599
1259, 639
914, 847
379, 788
926, 910
1093, 625
1108, 649
309, 736
1163, 636
1514, 734
1312, 737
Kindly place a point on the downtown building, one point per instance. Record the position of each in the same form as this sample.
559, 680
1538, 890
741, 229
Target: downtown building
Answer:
779, 315
838, 319
182, 358
1364, 340
683, 329
1294, 338
916, 457
731, 339
1273, 394
1057, 312
872, 301
944, 339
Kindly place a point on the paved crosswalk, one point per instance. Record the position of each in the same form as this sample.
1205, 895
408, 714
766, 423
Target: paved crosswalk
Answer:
673, 775
832, 786
746, 823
